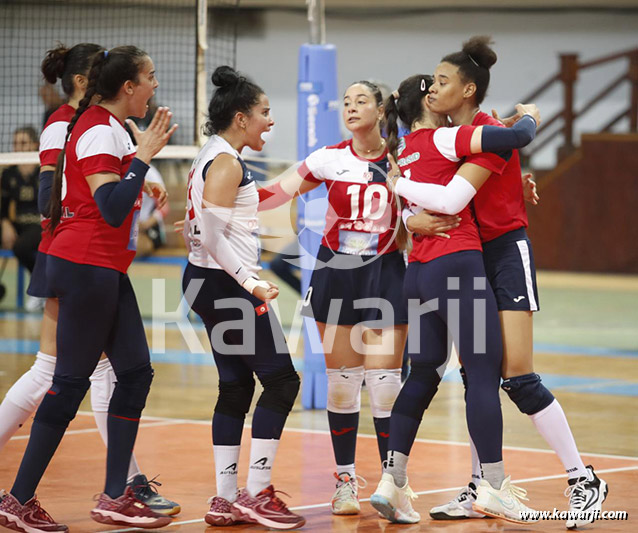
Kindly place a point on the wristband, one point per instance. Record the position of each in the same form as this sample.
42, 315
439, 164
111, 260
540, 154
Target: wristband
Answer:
252, 283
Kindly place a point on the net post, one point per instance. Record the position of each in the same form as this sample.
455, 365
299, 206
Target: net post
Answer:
200, 71
317, 126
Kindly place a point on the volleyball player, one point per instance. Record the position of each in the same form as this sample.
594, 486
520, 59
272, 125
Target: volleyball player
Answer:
71, 66
359, 258
94, 206
221, 283
461, 81
444, 283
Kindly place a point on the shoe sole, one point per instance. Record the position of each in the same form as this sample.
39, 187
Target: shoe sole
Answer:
347, 510
14, 523
246, 515
604, 493
495, 514
113, 520
444, 516
167, 512
388, 510
221, 520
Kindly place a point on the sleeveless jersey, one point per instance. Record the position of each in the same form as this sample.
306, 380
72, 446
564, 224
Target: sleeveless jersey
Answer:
242, 231
362, 214
51, 144
433, 156
98, 144
499, 204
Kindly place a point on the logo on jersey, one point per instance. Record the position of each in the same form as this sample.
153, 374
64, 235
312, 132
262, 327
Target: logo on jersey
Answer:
519, 298
368, 176
342, 172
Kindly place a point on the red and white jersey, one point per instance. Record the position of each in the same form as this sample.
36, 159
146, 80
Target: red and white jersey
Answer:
242, 231
499, 204
362, 213
98, 144
51, 144
433, 156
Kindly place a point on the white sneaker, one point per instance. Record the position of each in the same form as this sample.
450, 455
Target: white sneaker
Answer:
504, 503
585, 499
346, 498
459, 508
395, 503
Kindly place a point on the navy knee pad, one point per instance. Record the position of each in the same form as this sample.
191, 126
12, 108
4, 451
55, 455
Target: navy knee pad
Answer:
280, 391
131, 390
62, 401
235, 397
528, 393
417, 391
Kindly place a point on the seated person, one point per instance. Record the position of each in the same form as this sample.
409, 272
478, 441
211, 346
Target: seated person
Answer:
19, 215
151, 234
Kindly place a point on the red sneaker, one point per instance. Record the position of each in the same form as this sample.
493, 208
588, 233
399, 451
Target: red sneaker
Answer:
127, 510
28, 518
266, 509
221, 513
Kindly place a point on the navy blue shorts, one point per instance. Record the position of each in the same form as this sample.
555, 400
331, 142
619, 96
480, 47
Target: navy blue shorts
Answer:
245, 335
509, 265
98, 313
379, 278
38, 284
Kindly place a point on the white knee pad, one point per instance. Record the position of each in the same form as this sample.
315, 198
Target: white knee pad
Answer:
28, 391
344, 389
383, 388
102, 386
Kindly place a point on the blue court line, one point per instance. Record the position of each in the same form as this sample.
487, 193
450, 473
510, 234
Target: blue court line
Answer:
556, 382
541, 347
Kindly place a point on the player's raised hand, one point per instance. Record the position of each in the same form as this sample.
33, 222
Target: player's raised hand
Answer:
154, 138
529, 109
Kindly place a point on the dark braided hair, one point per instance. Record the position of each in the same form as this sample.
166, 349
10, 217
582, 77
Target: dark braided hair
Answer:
408, 107
474, 62
63, 63
109, 71
235, 93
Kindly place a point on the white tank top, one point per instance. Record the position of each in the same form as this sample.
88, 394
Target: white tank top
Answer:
243, 229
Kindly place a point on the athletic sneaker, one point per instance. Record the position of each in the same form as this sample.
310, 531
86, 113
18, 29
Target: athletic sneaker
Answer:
266, 509
127, 510
585, 497
221, 512
395, 503
28, 518
345, 500
147, 493
459, 508
504, 503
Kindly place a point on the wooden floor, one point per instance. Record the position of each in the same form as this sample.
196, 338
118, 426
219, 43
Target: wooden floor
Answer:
596, 381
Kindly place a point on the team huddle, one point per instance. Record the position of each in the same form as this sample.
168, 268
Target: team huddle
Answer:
436, 215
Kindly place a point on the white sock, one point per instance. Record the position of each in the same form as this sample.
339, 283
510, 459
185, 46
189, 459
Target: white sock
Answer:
552, 424
25, 395
494, 474
262, 457
226, 463
346, 469
102, 386
476, 464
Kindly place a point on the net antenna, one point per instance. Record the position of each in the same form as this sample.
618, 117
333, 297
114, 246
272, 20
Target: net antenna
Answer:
201, 74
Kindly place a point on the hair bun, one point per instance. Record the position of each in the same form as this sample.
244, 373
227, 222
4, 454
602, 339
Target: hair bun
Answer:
53, 64
478, 47
225, 76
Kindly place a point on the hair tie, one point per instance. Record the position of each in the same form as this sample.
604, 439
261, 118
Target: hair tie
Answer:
473, 60
106, 53
423, 85
396, 94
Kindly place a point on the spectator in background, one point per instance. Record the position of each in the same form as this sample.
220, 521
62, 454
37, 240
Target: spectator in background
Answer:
19, 215
151, 234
